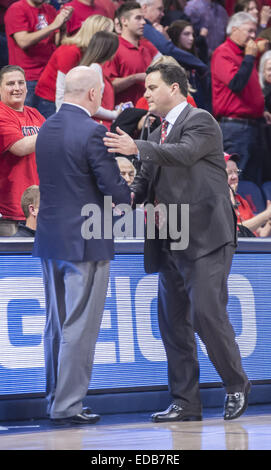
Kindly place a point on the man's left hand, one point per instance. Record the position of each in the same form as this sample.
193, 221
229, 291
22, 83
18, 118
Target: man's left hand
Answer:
120, 143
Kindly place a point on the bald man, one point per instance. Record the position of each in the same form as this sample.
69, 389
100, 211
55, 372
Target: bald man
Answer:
75, 171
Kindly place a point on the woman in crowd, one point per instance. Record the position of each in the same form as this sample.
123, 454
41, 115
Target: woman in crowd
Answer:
251, 7
49, 89
265, 78
181, 33
260, 224
102, 49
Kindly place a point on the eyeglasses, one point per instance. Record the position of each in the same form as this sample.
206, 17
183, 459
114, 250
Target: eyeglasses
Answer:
234, 172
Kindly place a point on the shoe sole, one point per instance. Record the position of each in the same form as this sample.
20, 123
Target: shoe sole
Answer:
184, 419
70, 422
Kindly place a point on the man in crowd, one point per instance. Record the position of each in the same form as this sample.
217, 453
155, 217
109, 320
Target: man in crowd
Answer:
19, 126
127, 69
183, 163
30, 205
82, 9
33, 30
212, 16
75, 264
153, 11
127, 169
238, 101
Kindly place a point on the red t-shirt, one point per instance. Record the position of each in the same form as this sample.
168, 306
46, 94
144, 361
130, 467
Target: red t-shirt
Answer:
225, 63
109, 7
243, 212
22, 17
16, 173
129, 60
63, 59
80, 13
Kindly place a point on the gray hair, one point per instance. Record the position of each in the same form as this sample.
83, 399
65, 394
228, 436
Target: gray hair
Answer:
266, 56
238, 19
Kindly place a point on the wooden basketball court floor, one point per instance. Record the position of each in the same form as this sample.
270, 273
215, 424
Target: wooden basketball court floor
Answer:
252, 431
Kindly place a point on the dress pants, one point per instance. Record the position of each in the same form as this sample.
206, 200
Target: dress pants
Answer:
192, 297
75, 294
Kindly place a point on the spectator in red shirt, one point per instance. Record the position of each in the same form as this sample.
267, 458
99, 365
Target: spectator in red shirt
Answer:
134, 55
238, 101
50, 86
82, 9
19, 126
32, 32
259, 224
4, 4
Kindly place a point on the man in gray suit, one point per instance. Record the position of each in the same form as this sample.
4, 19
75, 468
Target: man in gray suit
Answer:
75, 172
183, 163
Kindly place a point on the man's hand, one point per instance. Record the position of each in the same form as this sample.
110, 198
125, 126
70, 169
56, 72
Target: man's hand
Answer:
120, 143
262, 45
161, 29
251, 48
265, 15
62, 17
267, 117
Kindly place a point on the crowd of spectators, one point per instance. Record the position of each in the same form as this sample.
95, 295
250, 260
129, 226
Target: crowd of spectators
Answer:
224, 45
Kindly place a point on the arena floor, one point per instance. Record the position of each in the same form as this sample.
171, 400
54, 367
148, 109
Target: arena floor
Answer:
252, 431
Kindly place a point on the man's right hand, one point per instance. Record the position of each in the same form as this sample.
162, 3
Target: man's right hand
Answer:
62, 17
251, 48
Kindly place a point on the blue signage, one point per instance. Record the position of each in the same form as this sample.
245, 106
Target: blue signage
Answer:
129, 352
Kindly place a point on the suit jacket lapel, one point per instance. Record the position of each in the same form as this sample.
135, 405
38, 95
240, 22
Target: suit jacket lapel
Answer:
182, 116
156, 136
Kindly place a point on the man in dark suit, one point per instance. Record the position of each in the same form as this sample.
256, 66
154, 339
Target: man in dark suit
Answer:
183, 163
76, 172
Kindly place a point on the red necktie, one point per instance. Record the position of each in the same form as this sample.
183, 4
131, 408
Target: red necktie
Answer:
164, 127
159, 219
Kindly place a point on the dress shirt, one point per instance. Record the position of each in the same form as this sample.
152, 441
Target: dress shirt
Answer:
77, 106
173, 114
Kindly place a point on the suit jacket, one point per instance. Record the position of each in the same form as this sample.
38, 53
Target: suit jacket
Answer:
188, 168
75, 169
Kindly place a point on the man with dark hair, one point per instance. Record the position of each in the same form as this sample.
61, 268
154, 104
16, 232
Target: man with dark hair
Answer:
183, 164
127, 69
153, 11
19, 126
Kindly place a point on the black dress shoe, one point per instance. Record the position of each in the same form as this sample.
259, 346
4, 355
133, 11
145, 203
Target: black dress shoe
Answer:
175, 413
236, 404
80, 418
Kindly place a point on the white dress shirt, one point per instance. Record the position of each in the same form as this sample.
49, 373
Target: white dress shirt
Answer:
173, 114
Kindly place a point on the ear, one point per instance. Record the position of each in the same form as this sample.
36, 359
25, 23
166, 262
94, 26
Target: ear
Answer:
175, 87
91, 93
33, 210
